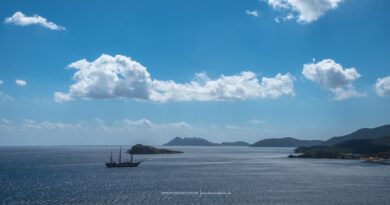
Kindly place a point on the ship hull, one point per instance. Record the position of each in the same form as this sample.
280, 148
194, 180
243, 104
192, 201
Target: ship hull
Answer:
120, 165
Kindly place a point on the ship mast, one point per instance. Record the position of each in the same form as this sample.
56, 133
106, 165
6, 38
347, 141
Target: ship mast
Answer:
111, 157
120, 154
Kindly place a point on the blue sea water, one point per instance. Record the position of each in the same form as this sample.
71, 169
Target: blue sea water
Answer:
202, 175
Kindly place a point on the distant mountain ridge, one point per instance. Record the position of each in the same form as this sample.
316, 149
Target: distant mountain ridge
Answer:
276, 142
196, 141
238, 143
285, 142
365, 133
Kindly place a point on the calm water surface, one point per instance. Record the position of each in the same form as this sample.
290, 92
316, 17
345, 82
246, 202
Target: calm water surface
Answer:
224, 175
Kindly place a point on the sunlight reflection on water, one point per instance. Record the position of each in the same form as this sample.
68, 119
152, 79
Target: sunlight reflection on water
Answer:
77, 175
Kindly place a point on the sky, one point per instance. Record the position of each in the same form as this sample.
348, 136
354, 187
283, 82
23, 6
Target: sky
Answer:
125, 71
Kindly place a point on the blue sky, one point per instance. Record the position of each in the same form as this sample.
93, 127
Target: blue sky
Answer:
172, 41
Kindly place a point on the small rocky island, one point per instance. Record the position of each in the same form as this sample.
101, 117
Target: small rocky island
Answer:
144, 149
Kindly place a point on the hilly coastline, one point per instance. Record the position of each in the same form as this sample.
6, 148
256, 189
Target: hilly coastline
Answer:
285, 142
371, 144
366, 143
365, 133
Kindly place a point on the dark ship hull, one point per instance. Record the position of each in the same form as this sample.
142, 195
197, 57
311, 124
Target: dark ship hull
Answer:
123, 164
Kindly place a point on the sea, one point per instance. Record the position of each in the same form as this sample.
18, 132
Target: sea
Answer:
201, 175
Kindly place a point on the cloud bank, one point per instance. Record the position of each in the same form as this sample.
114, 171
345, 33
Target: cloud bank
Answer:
19, 19
46, 125
128, 131
333, 77
120, 77
91, 132
303, 11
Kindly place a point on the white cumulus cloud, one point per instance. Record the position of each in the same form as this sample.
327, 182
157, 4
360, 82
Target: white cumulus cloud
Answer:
236, 87
120, 77
20, 19
333, 77
382, 86
108, 77
21, 83
254, 13
304, 11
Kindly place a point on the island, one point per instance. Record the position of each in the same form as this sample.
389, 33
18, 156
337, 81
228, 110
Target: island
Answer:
144, 149
285, 142
189, 141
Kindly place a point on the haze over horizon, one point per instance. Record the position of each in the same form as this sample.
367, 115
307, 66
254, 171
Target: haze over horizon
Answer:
128, 72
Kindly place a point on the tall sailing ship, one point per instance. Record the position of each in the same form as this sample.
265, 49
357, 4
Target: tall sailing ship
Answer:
118, 164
